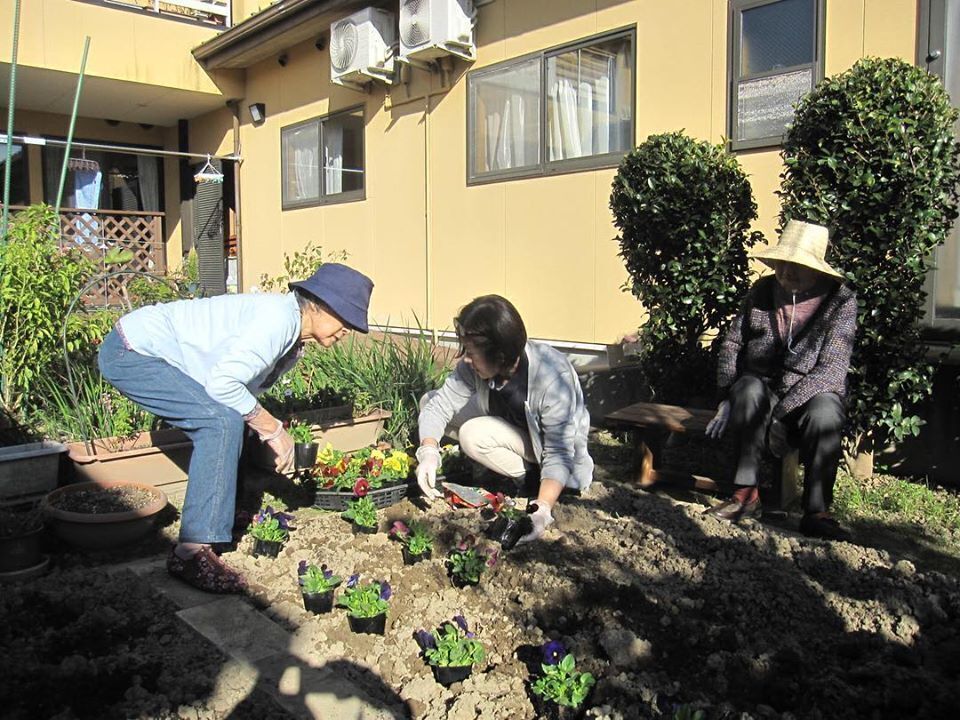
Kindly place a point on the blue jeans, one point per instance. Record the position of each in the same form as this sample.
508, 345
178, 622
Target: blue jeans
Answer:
215, 429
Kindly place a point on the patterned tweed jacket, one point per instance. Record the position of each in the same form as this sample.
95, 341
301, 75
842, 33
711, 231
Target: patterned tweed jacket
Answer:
821, 353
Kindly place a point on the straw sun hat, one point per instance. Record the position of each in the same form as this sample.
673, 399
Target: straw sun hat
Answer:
800, 243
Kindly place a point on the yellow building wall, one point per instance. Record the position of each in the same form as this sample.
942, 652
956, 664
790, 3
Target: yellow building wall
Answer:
431, 243
131, 46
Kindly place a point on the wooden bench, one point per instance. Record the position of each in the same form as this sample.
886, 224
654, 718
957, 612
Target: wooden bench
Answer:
650, 424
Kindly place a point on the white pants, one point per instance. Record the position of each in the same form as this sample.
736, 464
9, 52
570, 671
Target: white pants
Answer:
490, 441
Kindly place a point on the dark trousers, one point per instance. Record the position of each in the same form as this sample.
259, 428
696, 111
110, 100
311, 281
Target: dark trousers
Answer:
816, 428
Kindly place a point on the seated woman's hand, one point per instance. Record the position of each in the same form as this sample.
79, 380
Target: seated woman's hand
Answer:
717, 426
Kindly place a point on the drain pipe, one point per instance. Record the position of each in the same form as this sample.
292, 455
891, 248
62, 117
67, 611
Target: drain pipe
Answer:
234, 106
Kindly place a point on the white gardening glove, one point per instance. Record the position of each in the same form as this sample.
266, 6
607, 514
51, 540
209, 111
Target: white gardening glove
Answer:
777, 438
717, 426
282, 445
428, 462
541, 519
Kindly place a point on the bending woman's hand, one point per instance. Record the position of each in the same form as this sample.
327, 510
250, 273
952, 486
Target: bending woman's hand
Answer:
428, 462
281, 443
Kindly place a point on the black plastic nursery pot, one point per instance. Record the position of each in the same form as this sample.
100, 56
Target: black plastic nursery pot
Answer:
371, 625
410, 558
305, 455
266, 548
507, 531
461, 582
364, 529
451, 674
20, 551
318, 603
547, 710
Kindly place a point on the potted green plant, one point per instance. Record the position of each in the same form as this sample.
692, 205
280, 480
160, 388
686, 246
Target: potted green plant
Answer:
362, 513
467, 562
305, 447
366, 605
20, 535
316, 586
509, 524
416, 543
451, 650
561, 691
269, 529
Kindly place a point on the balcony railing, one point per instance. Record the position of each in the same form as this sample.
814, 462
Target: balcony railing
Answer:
97, 232
211, 12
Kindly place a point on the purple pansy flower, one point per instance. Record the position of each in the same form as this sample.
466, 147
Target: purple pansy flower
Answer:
425, 639
302, 568
460, 620
553, 652
492, 558
352, 581
399, 529
327, 572
284, 520
385, 591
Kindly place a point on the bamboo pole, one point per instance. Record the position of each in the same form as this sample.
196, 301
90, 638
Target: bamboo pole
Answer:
73, 122
10, 103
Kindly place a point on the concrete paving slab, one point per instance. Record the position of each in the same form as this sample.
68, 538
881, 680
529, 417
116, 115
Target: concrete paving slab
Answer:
237, 629
311, 693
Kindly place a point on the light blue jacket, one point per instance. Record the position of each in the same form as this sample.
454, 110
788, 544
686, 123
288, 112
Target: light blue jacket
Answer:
230, 344
557, 418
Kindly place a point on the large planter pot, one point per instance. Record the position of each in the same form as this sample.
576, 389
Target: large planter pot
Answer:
20, 552
101, 531
340, 430
160, 458
372, 625
29, 471
450, 675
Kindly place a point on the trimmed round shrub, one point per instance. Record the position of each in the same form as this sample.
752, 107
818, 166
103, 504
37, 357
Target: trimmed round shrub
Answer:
683, 208
872, 155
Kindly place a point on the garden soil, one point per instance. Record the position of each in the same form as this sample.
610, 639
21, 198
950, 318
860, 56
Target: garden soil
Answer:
665, 606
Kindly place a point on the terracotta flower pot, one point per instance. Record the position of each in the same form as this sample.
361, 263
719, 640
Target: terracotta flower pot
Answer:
450, 675
318, 603
410, 559
266, 548
372, 625
98, 531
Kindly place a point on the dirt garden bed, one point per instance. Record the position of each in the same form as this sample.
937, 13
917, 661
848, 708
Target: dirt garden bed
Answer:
665, 606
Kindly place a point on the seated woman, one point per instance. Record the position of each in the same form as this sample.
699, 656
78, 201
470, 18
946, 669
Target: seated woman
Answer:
782, 374
513, 404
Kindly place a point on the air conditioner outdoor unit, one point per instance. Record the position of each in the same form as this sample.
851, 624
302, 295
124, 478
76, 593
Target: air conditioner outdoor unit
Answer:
361, 47
430, 29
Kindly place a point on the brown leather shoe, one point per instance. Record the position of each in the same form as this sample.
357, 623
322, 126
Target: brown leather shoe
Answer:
734, 511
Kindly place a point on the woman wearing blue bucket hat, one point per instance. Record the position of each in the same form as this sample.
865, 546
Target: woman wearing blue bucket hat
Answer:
199, 365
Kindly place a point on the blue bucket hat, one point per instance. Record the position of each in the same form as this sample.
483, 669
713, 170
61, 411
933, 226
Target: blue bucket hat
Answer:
343, 290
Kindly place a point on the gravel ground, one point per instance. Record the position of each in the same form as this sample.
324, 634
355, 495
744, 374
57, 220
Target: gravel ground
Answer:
664, 605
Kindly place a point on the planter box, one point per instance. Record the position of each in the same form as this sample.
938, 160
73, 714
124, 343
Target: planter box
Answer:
29, 471
160, 458
331, 425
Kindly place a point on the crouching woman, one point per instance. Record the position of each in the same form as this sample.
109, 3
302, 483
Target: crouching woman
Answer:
514, 405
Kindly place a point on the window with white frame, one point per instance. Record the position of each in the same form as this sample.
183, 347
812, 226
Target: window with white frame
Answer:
566, 109
322, 160
776, 58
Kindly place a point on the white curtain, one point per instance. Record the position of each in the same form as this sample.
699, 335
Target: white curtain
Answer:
333, 163
148, 175
506, 130
305, 175
579, 110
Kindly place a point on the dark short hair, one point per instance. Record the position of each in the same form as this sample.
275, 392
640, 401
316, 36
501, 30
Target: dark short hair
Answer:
494, 327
